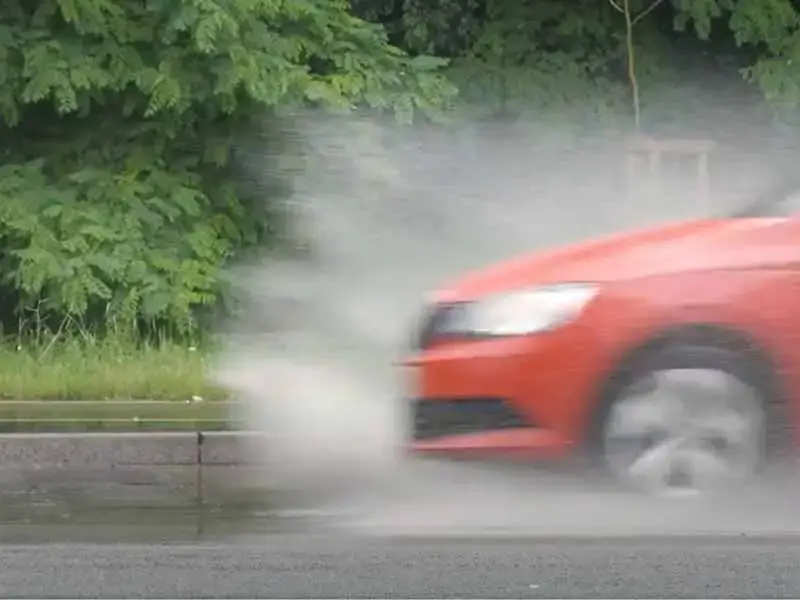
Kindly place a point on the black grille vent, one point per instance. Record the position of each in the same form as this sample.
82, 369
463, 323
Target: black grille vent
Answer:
438, 418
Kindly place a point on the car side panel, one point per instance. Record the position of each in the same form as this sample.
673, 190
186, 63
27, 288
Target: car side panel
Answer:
763, 305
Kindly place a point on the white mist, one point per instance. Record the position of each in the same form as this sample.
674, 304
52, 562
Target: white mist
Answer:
314, 359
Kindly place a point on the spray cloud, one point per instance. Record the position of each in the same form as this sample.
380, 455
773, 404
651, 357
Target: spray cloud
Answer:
389, 213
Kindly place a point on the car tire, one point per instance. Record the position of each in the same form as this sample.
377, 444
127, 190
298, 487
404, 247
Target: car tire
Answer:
684, 421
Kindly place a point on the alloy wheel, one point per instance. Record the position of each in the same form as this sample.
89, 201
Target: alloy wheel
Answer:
688, 431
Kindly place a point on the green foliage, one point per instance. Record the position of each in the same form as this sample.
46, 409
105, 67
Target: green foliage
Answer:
522, 56
118, 118
769, 27
441, 27
773, 25
701, 13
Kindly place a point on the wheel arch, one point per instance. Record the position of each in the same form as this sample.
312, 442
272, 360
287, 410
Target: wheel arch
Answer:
760, 366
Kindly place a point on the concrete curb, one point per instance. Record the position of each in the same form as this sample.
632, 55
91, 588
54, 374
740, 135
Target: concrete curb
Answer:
48, 473
38, 450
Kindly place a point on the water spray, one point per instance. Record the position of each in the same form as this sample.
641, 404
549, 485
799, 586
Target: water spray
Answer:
314, 355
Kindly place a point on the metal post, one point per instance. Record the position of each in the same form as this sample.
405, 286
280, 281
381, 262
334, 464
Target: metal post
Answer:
199, 494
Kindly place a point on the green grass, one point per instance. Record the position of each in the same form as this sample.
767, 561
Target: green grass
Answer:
92, 369
91, 384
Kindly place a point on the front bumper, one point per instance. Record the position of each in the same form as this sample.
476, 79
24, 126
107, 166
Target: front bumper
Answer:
479, 428
506, 397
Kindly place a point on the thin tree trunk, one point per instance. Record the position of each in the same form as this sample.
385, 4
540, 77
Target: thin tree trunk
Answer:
637, 118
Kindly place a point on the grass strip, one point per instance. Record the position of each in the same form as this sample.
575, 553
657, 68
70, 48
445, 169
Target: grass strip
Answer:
23, 416
105, 368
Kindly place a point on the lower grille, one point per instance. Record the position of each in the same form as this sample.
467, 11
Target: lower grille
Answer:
438, 418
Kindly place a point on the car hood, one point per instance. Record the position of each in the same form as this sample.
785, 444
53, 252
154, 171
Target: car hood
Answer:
685, 246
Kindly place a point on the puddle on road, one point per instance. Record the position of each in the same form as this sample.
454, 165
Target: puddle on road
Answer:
479, 511
437, 500
139, 525
87, 515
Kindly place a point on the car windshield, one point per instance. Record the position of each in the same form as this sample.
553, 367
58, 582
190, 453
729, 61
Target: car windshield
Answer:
783, 200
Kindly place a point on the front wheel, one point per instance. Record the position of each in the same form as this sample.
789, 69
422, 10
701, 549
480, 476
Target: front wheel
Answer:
680, 430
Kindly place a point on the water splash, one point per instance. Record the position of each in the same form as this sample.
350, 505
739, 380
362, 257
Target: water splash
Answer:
389, 215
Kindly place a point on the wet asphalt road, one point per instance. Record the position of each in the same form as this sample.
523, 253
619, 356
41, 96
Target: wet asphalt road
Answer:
296, 566
414, 547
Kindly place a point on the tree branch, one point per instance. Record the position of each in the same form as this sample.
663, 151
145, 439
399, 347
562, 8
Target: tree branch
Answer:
645, 12
616, 6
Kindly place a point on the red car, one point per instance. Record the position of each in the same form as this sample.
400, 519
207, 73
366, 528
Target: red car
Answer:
671, 355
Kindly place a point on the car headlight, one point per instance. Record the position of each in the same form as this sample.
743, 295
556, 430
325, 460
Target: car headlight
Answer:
521, 312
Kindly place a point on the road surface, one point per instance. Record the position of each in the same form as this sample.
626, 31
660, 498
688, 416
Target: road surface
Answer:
566, 544
296, 566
